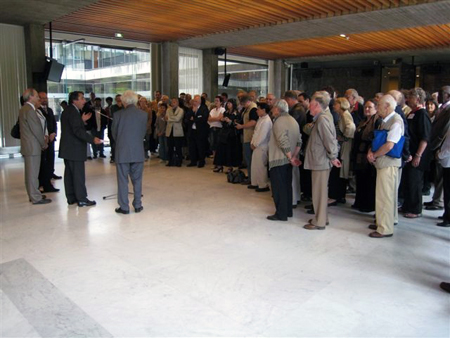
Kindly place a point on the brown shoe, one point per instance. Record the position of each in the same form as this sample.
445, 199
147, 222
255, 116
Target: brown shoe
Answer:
376, 234
313, 227
310, 222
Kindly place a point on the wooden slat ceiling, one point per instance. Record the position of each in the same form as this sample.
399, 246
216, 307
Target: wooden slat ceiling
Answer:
427, 37
171, 20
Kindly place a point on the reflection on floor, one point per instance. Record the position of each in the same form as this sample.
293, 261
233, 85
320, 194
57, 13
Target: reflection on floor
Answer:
202, 260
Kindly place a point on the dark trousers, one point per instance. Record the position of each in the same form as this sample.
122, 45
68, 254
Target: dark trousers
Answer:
45, 173
197, 146
366, 180
51, 157
134, 170
446, 178
112, 143
305, 180
96, 148
281, 182
337, 186
412, 189
75, 181
175, 154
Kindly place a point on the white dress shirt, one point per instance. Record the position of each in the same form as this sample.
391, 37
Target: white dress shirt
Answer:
263, 128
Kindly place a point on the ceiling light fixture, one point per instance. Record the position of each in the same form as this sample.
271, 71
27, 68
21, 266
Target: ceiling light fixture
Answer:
119, 35
344, 36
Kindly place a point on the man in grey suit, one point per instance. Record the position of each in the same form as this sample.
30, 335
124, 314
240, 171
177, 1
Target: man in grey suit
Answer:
128, 129
32, 141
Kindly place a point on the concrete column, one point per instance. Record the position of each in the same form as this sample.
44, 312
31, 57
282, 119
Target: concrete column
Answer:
169, 76
155, 68
279, 78
210, 73
35, 55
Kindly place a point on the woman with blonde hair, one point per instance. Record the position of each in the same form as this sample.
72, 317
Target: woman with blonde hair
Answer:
345, 132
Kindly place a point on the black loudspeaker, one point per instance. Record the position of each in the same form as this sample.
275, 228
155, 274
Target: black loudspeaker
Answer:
219, 51
226, 80
304, 65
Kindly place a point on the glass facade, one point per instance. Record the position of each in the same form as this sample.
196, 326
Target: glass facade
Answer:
245, 76
103, 70
190, 70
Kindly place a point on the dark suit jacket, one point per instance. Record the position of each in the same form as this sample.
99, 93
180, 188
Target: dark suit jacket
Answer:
358, 114
201, 120
74, 137
128, 129
32, 139
51, 120
439, 129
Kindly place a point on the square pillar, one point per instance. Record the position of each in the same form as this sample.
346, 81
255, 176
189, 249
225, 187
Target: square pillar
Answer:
169, 66
210, 73
35, 56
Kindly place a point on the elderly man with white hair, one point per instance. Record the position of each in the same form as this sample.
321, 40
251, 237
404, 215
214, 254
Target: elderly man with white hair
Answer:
387, 169
129, 128
320, 156
284, 146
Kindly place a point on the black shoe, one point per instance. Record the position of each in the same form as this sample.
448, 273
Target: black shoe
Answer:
445, 286
102, 156
111, 161
275, 218
306, 198
309, 206
71, 202
218, 170
433, 207
365, 210
121, 211
293, 207
373, 227
342, 201
200, 164
95, 156
89, 158
192, 164
137, 210
440, 217
267, 189
86, 203
50, 189
444, 224
246, 182
169, 164
333, 204
56, 177
43, 197
310, 211
428, 204
252, 187
43, 201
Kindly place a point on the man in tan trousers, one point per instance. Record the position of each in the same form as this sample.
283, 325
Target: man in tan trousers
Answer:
387, 169
321, 154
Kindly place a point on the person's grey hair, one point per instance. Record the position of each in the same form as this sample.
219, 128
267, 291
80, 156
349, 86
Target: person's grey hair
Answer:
446, 90
389, 99
28, 93
419, 93
397, 95
282, 106
353, 92
322, 98
129, 97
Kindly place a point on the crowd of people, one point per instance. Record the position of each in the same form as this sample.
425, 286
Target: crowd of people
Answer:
316, 149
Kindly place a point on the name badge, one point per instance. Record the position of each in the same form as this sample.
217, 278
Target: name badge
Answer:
411, 116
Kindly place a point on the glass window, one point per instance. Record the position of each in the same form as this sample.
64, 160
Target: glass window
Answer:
190, 70
245, 76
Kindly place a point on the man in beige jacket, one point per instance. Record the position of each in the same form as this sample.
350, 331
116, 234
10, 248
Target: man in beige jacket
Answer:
32, 142
321, 154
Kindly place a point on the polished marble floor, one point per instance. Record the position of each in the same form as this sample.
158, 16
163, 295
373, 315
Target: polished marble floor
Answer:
201, 260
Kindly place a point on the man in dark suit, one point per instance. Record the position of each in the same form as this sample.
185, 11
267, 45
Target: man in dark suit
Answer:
129, 128
114, 108
46, 172
198, 133
73, 149
98, 123
32, 141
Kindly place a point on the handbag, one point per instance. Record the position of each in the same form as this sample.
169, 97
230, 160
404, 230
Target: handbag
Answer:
379, 139
15, 131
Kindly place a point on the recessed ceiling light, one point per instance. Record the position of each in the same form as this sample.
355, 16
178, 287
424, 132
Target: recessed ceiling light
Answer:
343, 35
119, 35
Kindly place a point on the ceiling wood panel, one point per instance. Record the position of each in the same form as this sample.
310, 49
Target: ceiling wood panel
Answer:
170, 20
427, 37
